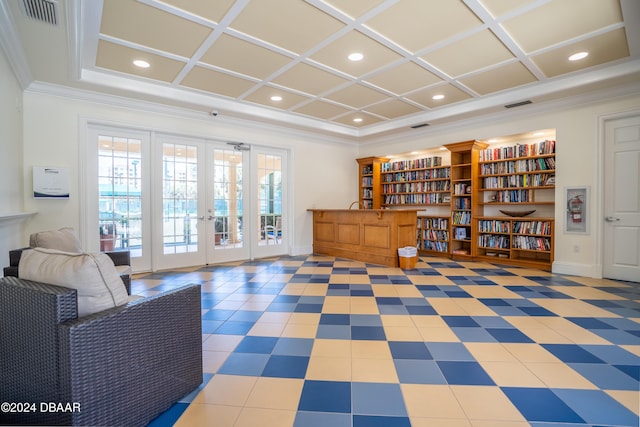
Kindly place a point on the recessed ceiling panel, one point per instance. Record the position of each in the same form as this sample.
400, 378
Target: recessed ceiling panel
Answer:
357, 96
366, 119
307, 79
354, 8
211, 10
393, 109
498, 8
148, 26
505, 77
602, 49
417, 24
471, 53
241, 56
568, 19
292, 25
216, 82
335, 55
115, 57
404, 78
264, 94
321, 110
450, 93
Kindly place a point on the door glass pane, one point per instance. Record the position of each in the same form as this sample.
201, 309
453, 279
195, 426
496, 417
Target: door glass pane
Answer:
120, 194
179, 198
227, 199
270, 198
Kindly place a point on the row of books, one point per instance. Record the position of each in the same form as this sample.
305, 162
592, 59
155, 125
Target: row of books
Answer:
463, 203
463, 218
367, 181
444, 173
516, 166
367, 193
415, 199
517, 181
461, 188
427, 162
493, 241
514, 196
435, 235
367, 204
435, 223
431, 245
532, 243
367, 170
416, 187
460, 233
532, 227
492, 226
519, 150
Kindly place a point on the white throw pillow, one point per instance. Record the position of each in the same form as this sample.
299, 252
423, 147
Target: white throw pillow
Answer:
63, 240
93, 275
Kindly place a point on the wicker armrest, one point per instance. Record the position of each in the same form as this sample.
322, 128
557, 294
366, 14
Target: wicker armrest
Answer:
120, 257
145, 356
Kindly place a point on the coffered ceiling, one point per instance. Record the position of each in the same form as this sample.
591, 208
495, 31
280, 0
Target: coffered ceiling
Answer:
423, 61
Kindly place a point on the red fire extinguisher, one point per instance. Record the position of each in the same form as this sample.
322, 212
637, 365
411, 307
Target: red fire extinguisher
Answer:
575, 208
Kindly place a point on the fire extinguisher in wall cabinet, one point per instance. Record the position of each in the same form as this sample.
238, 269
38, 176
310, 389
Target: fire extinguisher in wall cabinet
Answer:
575, 207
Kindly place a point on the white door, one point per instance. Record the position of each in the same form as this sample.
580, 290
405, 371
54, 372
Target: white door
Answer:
271, 236
116, 215
622, 199
199, 203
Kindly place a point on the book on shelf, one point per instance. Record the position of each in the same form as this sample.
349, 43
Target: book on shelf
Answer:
520, 150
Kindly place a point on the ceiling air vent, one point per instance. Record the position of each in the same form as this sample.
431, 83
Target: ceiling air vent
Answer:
419, 126
518, 104
41, 10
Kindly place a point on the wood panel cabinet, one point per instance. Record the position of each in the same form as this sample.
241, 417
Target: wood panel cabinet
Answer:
369, 189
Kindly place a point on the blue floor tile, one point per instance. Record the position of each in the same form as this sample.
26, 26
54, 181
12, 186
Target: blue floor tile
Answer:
234, 328
409, 350
322, 419
464, 373
606, 377
377, 399
250, 364
368, 333
373, 421
449, 351
365, 320
215, 314
169, 417
460, 321
473, 335
253, 344
286, 367
293, 347
571, 353
597, 407
335, 332
509, 335
421, 310
411, 371
541, 405
335, 319
325, 396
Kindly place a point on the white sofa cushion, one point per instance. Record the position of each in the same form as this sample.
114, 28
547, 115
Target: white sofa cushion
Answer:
93, 275
63, 239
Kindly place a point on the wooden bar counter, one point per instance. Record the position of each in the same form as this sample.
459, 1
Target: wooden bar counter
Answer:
369, 235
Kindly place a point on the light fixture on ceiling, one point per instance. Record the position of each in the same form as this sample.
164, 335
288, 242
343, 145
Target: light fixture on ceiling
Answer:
355, 56
437, 97
140, 63
578, 56
358, 120
276, 98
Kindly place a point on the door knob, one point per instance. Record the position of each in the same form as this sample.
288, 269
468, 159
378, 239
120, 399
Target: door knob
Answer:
611, 219
201, 217
210, 217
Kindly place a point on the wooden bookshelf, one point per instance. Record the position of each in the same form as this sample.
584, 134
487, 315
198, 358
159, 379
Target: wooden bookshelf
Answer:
434, 235
519, 241
464, 197
418, 182
369, 189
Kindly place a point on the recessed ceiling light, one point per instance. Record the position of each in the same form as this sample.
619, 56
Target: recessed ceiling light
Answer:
437, 97
358, 119
276, 98
355, 56
140, 63
443, 148
493, 140
578, 56
415, 152
538, 134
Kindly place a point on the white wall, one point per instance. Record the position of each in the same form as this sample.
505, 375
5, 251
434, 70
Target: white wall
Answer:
324, 172
578, 159
11, 183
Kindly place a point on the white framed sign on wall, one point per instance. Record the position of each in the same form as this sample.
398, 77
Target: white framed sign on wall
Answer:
50, 183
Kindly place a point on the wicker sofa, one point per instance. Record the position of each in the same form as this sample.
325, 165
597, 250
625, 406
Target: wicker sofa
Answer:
121, 366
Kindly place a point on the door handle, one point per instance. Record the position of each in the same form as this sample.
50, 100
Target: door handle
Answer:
210, 217
611, 219
201, 217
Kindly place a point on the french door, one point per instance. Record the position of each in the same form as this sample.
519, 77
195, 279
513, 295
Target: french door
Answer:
176, 201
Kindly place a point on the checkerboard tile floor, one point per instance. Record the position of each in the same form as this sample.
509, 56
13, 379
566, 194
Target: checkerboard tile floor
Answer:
318, 341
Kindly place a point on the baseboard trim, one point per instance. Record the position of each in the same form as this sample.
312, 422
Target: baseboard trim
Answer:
576, 269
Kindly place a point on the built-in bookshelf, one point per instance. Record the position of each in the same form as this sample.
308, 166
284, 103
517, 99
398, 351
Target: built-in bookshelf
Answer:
369, 194
417, 182
520, 241
464, 196
433, 234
